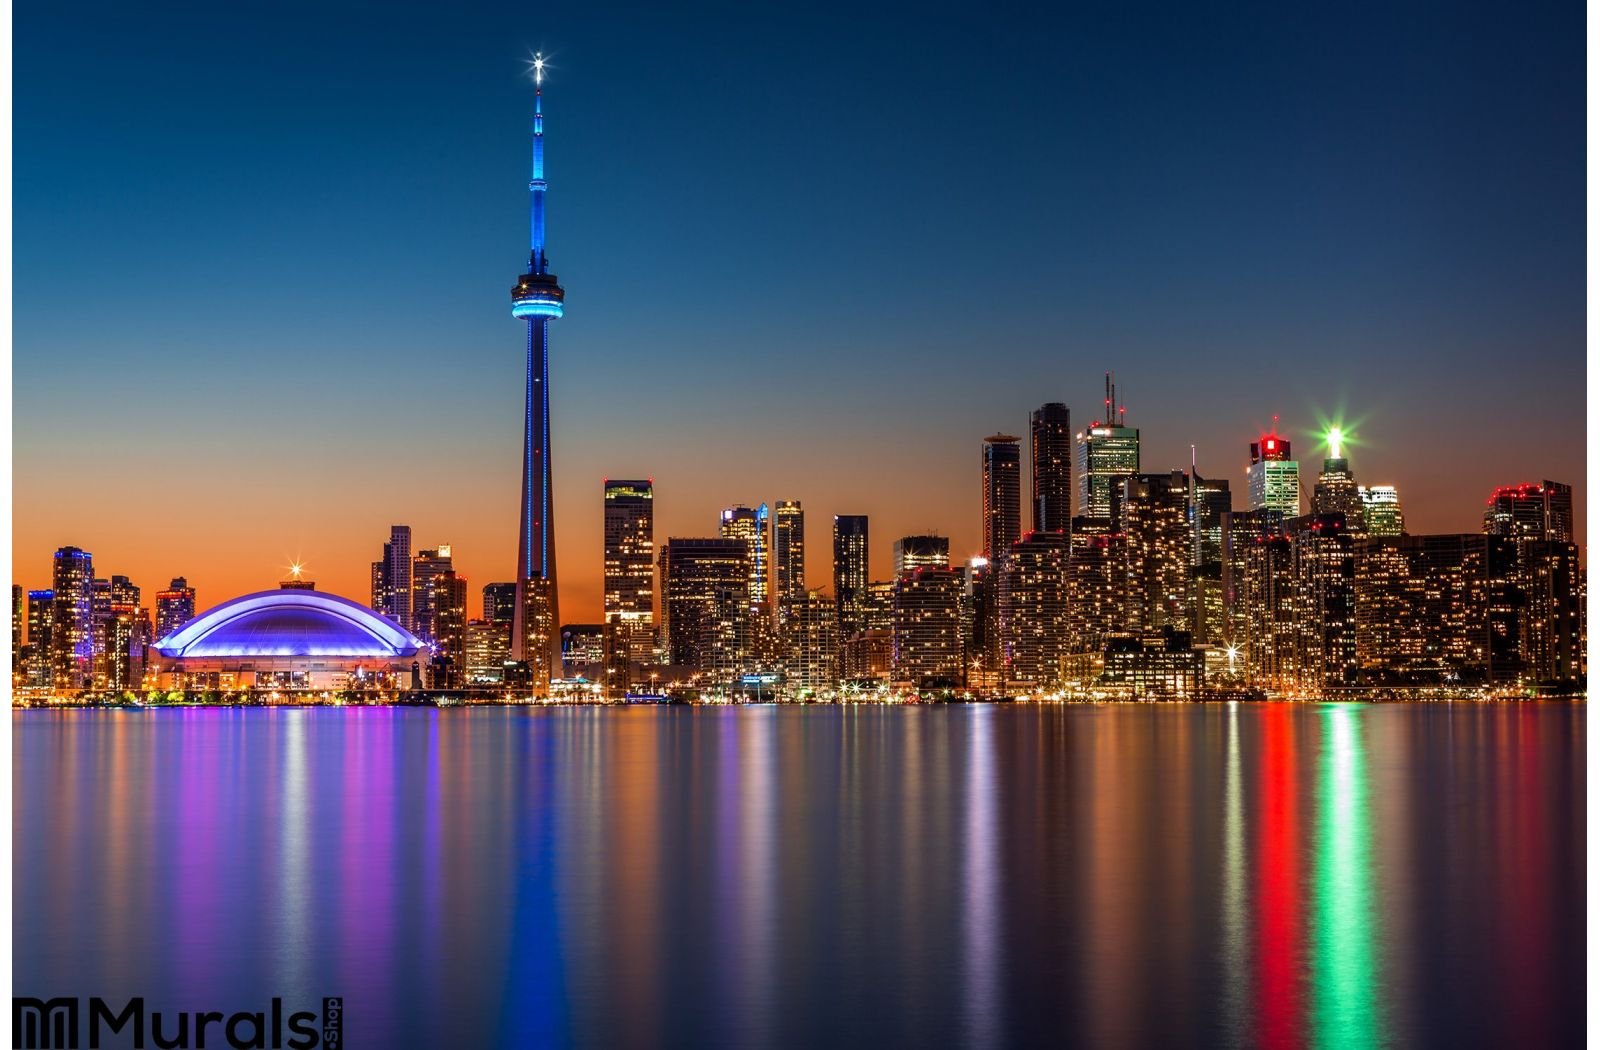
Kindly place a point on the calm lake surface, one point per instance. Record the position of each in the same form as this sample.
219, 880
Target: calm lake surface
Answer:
1128, 875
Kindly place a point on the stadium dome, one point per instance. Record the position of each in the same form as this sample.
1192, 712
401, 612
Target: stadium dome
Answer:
289, 623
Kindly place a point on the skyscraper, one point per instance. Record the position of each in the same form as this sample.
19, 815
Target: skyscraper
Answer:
72, 627
427, 569
391, 578
927, 628
174, 606
788, 550
1051, 427
1336, 491
1032, 604
1210, 511
448, 600
1542, 512
500, 603
850, 566
1002, 494
705, 602
537, 299
630, 575
1160, 552
19, 616
1273, 478
1381, 511
913, 552
41, 619
1108, 452
751, 525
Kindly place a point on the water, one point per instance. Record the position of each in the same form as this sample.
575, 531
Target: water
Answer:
1156, 875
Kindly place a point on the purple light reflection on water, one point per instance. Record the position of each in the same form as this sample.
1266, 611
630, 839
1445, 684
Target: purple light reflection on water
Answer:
815, 876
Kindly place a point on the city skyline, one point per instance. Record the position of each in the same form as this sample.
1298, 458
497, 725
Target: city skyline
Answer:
1212, 375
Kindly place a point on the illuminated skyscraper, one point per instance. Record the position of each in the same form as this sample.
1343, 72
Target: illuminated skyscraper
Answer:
391, 578
630, 575
500, 603
1542, 512
537, 299
1108, 452
174, 606
72, 629
1210, 508
1432, 609
752, 526
1335, 491
488, 649
927, 628
913, 552
1160, 552
705, 603
41, 618
1002, 494
1051, 428
850, 566
1381, 512
1033, 609
788, 550
448, 619
19, 617
810, 642
427, 568
1273, 478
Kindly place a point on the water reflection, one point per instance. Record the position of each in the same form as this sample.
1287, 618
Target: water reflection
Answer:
1277, 876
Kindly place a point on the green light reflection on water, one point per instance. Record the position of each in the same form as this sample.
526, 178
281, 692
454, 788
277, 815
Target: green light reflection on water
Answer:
1344, 964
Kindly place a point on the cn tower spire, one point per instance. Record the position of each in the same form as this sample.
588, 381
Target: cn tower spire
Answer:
537, 299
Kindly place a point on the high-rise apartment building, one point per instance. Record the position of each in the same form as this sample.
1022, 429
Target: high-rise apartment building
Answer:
850, 565
630, 592
752, 526
1210, 506
788, 550
427, 569
1002, 494
1050, 426
1033, 603
810, 642
72, 630
1097, 585
41, 618
391, 578
1160, 552
913, 552
174, 606
927, 649
1431, 610
488, 649
1273, 477
705, 592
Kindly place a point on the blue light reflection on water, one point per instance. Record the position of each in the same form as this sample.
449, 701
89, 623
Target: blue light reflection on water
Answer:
980, 875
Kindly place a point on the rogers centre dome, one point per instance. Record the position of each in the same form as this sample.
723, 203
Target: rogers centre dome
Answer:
289, 638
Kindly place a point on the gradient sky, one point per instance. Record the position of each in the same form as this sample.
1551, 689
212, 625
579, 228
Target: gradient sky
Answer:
263, 256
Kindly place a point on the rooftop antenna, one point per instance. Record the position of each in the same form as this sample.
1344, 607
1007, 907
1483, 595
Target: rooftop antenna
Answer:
1110, 416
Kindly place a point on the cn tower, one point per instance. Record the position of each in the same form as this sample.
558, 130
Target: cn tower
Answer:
537, 299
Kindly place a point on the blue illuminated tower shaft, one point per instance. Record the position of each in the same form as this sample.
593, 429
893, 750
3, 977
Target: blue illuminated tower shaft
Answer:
536, 299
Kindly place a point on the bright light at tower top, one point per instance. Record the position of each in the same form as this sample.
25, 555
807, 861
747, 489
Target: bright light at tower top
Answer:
536, 66
1335, 441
